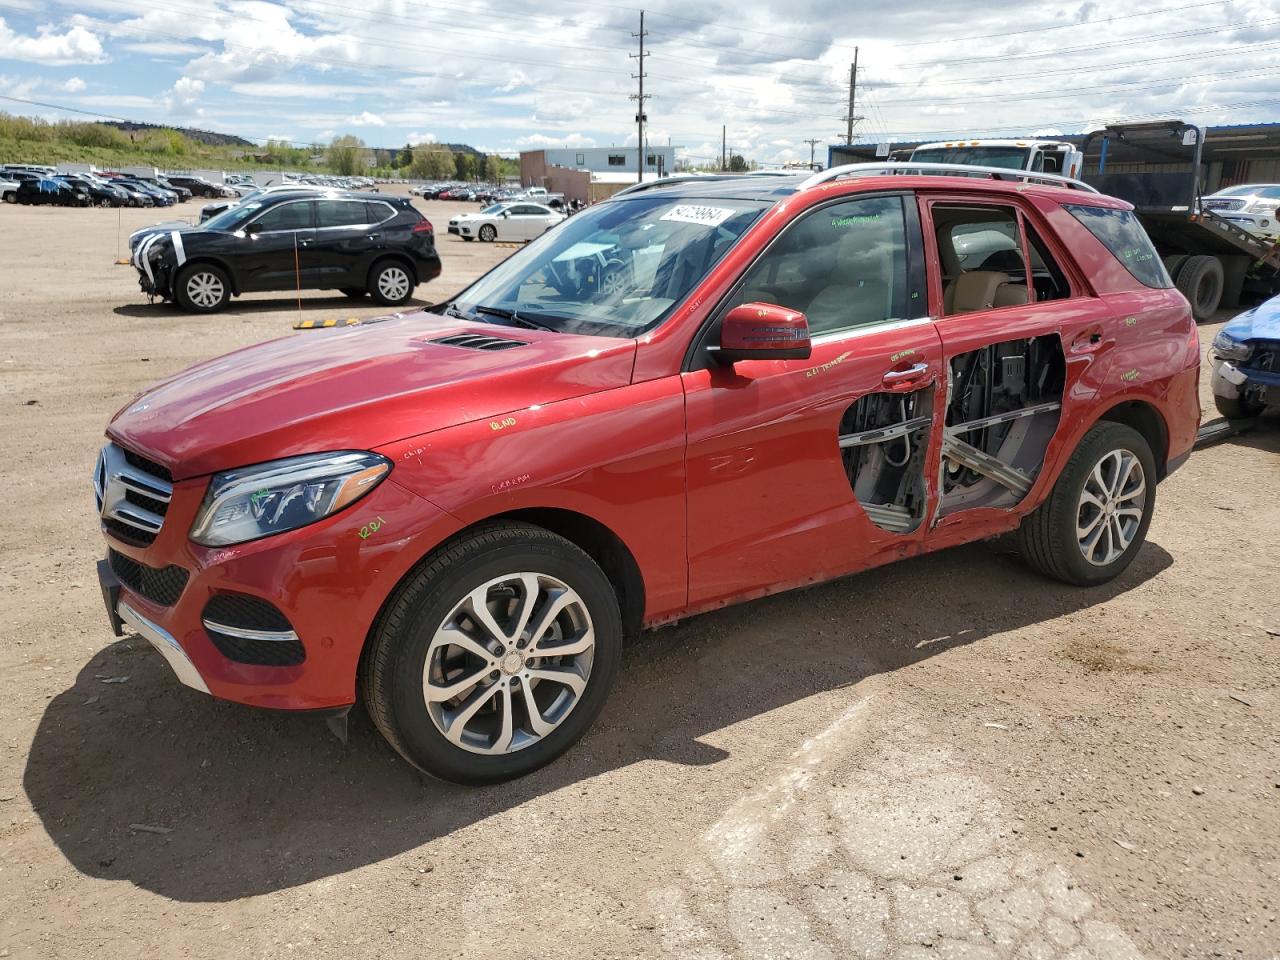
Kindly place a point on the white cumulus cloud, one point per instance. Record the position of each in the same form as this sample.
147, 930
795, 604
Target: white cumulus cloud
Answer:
184, 96
415, 139
49, 47
74, 85
366, 119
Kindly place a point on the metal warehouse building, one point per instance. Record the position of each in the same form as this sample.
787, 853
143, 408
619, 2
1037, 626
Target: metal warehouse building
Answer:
591, 173
1243, 153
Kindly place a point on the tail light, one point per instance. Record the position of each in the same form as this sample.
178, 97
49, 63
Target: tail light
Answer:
423, 226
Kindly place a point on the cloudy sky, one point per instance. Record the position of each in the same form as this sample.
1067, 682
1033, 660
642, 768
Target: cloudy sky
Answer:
502, 77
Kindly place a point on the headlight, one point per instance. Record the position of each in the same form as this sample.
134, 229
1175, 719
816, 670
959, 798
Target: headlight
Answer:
1229, 348
1261, 206
282, 495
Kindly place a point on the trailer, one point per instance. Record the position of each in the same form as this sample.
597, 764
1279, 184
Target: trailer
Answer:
1157, 167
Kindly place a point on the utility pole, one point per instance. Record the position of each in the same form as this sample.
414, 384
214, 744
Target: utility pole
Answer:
640, 98
724, 151
852, 117
813, 143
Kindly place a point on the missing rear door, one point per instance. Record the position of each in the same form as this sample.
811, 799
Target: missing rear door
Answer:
1003, 404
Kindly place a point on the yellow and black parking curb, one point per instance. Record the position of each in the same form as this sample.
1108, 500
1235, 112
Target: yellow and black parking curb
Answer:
326, 324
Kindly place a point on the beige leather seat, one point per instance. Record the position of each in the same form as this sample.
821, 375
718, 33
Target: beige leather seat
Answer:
982, 290
856, 292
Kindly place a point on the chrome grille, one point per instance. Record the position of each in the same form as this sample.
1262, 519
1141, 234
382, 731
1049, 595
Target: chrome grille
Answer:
132, 494
1224, 204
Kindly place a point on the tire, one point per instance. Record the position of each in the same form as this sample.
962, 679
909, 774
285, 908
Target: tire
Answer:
355, 293
1050, 537
407, 656
1173, 263
468, 239
488, 233
202, 288
390, 283
1200, 280
1238, 408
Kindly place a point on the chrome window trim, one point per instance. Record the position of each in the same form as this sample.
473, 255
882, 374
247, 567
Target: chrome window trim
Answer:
271, 209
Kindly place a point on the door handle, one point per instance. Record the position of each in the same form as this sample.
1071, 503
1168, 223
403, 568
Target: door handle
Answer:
1087, 342
374, 236
304, 243
897, 379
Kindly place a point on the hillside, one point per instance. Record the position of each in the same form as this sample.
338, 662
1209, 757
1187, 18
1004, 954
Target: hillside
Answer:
207, 137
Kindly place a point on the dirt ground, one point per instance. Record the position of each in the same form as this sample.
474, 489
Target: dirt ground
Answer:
950, 757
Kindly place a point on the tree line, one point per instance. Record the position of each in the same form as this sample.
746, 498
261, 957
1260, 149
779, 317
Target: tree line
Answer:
348, 155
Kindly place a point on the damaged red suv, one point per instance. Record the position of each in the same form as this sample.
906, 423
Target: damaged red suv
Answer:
699, 392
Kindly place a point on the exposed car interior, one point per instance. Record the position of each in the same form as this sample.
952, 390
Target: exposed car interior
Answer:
982, 263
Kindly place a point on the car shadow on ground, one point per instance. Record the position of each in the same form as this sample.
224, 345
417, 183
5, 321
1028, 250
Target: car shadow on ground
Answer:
256, 801
273, 305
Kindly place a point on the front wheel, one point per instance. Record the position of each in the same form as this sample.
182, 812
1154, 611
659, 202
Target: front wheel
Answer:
1238, 408
390, 283
202, 288
495, 656
1095, 519
488, 233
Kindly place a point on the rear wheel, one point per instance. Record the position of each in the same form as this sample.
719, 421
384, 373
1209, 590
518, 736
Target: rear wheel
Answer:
495, 657
1200, 280
202, 288
1095, 519
390, 283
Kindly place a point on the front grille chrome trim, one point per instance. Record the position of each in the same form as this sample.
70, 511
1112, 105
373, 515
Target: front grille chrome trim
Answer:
115, 478
244, 633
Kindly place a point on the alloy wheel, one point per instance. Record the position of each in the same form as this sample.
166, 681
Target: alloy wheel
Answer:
509, 663
393, 283
1111, 505
205, 289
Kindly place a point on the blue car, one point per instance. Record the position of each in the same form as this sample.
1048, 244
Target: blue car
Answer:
1246, 362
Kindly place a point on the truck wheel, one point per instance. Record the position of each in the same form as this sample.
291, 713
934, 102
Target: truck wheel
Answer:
1094, 521
1200, 281
202, 288
495, 656
1238, 408
1173, 263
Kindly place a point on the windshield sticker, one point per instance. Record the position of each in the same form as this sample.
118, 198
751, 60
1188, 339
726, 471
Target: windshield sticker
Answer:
850, 221
703, 216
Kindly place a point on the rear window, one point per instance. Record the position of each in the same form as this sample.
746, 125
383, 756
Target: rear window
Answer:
1122, 234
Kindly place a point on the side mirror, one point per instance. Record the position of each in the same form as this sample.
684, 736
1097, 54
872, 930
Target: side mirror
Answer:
253, 229
763, 331
504, 214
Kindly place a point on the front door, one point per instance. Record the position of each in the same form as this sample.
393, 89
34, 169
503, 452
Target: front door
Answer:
802, 470
276, 246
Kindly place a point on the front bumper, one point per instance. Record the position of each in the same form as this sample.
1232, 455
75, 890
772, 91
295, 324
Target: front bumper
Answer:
1259, 224
1230, 381
328, 579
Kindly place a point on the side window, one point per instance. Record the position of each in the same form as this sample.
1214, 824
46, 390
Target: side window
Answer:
843, 266
287, 216
378, 211
981, 252
1122, 234
1047, 277
340, 213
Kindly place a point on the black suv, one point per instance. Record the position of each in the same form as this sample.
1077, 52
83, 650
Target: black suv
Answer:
198, 186
354, 242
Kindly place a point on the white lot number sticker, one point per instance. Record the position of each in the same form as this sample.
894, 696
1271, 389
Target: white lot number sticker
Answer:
704, 216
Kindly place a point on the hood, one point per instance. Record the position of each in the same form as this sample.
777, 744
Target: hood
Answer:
1260, 323
169, 226
357, 388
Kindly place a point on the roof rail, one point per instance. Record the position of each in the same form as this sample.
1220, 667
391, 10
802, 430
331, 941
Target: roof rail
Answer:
699, 178
907, 168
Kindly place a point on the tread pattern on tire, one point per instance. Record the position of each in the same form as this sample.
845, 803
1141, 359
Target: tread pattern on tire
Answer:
1041, 533
378, 662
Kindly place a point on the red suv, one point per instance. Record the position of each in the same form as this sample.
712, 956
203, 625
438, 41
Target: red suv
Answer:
697, 393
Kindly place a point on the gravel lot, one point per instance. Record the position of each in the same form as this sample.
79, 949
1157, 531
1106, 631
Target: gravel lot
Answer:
947, 758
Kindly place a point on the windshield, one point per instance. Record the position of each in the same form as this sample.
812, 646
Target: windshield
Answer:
1271, 193
617, 269
1014, 158
232, 217
494, 208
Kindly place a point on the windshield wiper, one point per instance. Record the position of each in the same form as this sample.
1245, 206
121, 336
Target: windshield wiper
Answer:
512, 317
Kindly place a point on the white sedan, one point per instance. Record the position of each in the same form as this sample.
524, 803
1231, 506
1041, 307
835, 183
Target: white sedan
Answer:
506, 221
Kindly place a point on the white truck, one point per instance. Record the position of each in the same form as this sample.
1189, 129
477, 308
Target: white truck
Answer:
1036, 156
